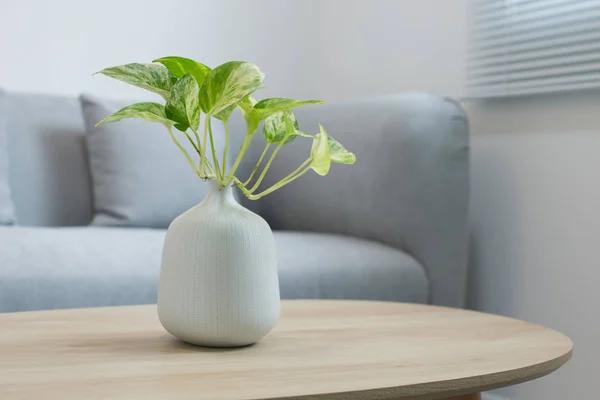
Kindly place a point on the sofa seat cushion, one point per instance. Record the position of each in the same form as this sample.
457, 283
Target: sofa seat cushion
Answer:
323, 266
51, 268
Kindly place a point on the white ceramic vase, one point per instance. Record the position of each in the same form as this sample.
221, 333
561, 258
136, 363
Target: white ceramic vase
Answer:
218, 281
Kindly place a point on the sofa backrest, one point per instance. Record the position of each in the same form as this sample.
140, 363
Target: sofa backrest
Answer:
409, 187
49, 177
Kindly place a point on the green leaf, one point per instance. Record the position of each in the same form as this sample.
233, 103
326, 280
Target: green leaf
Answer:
320, 153
280, 127
227, 84
180, 66
152, 77
183, 107
152, 112
251, 116
255, 112
339, 154
224, 115
271, 106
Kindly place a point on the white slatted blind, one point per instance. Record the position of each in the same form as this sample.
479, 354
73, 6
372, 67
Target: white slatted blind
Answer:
522, 47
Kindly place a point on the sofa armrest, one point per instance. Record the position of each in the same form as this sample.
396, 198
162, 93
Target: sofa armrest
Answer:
409, 187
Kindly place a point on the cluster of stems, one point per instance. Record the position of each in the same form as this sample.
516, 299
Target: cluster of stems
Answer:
218, 170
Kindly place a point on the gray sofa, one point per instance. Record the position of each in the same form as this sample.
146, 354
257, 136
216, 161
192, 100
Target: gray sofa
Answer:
391, 227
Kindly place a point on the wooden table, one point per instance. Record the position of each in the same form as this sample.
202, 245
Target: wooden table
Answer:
319, 350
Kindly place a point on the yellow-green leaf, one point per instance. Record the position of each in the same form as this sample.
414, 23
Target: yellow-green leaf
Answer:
251, 116
339, 154
182, 107
180, 66
276, 129
227, 84
148, 111
224, 114
320, 153
152, 77
268, 107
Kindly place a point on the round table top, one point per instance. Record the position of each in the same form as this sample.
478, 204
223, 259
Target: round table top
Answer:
319, 350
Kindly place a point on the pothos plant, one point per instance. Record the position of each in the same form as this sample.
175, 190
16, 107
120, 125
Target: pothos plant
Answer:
190, 88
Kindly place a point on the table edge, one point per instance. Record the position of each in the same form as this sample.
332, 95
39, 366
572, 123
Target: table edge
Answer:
443, 389
429, 390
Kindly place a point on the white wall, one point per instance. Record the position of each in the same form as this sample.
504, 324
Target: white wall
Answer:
535, 191
535, 201
308, 49
387, 46
55, 46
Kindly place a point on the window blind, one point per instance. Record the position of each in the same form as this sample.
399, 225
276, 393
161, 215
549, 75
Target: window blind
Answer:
520, 47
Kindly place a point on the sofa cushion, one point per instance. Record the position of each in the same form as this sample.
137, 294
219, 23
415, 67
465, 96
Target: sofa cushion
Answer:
140, 178
50, 268
49, 178
6, 207
322, 266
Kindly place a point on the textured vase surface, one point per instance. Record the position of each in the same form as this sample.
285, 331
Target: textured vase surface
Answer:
218, 281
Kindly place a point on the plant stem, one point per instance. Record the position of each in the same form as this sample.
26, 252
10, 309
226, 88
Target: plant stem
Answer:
297, 170
238, 159
290, 178
203, 160
195, 146
264, 171
203, 148
185, 153
210, 170
197, 136
198, 147
214, 153
257, 166
226, 149
192, 142
238, 183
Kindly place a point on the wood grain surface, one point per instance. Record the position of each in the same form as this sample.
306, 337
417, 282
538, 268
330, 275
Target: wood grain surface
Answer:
319, 350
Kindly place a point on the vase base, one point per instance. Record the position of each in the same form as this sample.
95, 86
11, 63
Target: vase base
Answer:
216, 346
212, 341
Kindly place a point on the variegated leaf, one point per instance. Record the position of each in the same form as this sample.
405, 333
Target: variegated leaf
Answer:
251, 116
182, 107
227, 84
276, 129
224, 115
268, 107
148, 111
180, 66
152, 77
320, 153
339, 154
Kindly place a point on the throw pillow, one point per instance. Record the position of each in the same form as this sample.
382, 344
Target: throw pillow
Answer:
139, 177
7, 216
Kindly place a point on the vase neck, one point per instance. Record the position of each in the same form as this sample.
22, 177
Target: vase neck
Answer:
219, 195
